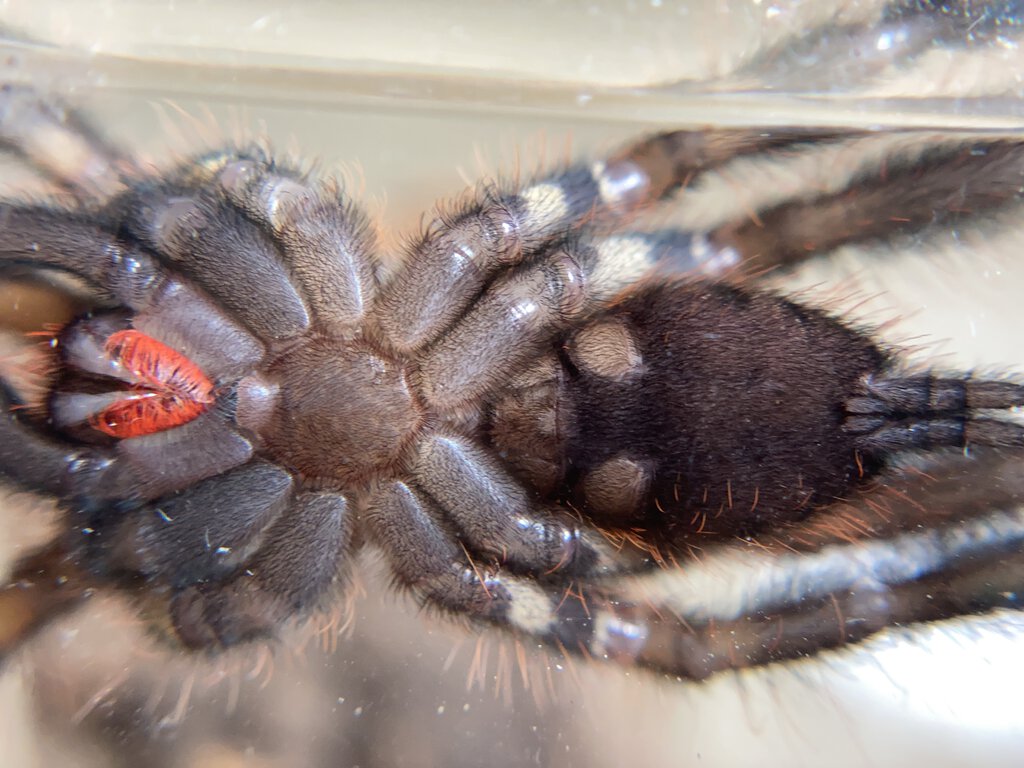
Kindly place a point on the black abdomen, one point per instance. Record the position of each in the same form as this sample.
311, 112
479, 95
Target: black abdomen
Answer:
731, 413
691, 407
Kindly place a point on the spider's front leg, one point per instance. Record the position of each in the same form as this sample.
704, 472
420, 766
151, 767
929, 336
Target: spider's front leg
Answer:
291, 575
852, 572
427, 558
930, 546
61, 145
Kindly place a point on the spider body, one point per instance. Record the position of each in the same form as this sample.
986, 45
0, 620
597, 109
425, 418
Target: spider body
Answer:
538, 417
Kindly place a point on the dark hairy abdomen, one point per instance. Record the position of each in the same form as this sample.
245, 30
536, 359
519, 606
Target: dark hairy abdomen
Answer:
738, 408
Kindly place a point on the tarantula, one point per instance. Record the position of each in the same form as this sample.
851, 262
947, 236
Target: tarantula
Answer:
546, 423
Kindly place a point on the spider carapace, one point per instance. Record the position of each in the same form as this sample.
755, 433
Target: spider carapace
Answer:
547, 418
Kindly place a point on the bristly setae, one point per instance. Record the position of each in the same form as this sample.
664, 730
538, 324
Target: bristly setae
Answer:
546, 420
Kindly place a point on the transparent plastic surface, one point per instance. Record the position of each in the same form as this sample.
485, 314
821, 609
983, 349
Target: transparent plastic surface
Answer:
409, 102
745, 61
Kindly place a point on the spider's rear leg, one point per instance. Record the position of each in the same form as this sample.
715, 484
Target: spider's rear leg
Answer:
928, 546
856, 592
696, 649
497, 518
693, 620
520, 313
900, 196
427, 559
460, 253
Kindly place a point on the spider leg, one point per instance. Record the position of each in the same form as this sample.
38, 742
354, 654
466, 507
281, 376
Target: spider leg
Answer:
217, 522
899, 197
505, 329
831, 584
60, 144
497, 518
207, 219
198, 534
675, 159
695, 649
271, 588
42, 586
123, 274
459, 254
452, 263
929, 548
518, 315
309, 251
427, 559
221, 593
216, 244
325, 240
